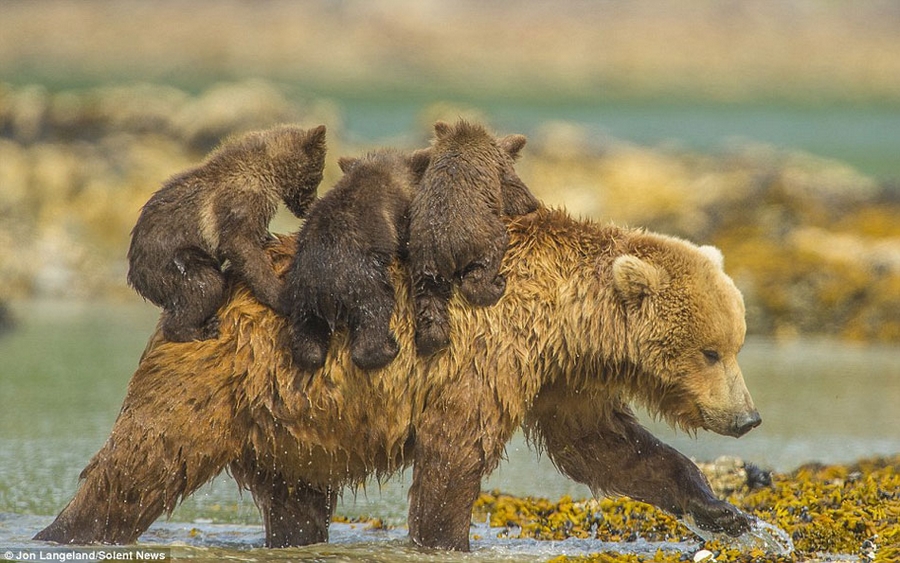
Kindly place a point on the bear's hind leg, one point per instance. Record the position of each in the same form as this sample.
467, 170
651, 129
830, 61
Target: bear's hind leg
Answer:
453, 451
294, 514
161, 449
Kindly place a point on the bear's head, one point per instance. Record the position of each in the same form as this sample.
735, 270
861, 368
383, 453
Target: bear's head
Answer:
685, 325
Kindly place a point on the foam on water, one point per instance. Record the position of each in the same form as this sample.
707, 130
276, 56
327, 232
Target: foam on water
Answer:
762, 535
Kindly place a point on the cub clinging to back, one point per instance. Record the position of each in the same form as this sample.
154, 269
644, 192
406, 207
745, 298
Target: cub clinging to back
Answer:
457, 233
340, 274
218, 212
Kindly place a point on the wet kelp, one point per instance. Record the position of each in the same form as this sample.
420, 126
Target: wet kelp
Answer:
840, 510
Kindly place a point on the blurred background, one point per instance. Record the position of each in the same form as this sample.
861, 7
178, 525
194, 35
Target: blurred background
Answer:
770, 129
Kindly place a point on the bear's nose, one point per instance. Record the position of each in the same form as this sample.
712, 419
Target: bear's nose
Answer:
746, 422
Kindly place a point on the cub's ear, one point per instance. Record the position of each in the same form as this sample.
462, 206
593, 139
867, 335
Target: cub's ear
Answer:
314, 145
418, 162
315, 138
714, 254
441, 128
512, 144
635, 279
346, 163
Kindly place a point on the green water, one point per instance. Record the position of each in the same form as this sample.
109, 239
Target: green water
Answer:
866, 136
64, 371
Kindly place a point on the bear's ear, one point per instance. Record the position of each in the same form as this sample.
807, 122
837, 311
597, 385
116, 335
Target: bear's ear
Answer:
512, 144
418, 162
635, 279
441, 129
346, 163
714, 254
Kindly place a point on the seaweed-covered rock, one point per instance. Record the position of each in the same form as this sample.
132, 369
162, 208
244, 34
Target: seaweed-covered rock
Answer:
830, 512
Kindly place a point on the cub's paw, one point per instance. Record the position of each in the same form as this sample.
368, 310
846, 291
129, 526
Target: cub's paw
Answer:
482, 293
432, 336
210, 328
176, 332
309, 355
374, 353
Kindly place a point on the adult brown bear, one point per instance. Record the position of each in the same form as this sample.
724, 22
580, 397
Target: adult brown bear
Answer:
593, 317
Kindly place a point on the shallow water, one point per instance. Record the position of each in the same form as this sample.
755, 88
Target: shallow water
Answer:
64, 371
348, 542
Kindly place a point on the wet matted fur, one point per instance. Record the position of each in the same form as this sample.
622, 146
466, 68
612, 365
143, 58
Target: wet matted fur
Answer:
593, 317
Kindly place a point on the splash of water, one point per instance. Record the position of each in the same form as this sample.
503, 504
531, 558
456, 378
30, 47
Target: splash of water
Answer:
762, 535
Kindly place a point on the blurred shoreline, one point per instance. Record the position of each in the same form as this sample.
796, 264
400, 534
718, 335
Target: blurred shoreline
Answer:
102, 100
813, 244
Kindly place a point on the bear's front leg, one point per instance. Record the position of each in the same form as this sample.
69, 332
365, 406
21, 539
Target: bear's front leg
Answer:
619, 456
450, 460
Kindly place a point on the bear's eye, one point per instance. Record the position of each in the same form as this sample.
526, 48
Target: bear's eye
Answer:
711, 356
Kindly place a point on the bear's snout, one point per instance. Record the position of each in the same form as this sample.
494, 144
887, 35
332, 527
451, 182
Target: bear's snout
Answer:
745, 422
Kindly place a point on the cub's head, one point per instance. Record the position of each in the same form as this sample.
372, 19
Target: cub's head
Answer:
685, 326
297, 158
487, 160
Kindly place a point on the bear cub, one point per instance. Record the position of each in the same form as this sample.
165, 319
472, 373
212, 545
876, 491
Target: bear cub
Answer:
457, 232
340, 273
216, 215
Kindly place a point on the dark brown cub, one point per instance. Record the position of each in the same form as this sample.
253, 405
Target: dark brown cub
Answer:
340, 276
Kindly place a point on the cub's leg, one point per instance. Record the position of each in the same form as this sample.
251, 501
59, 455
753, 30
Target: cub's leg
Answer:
622, 457
480, 282
294, 514
432, 294
517, 198
309, 340
251, 262
372, 344
197, 292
